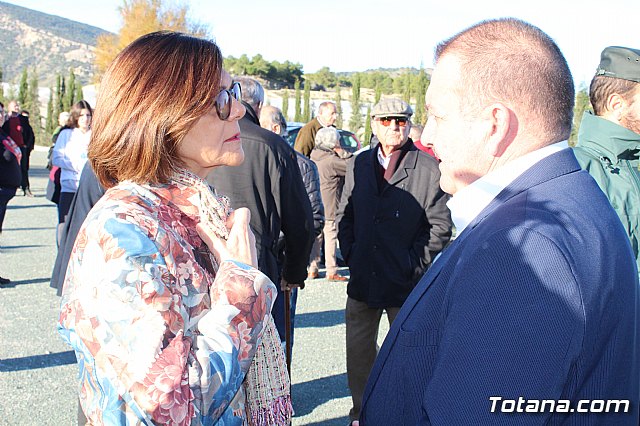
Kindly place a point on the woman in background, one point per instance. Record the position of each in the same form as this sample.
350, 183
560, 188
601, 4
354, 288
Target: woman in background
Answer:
70, 154
10, 174
162, 302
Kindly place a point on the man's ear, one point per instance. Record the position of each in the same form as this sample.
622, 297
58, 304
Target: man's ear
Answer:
501, 128
615, 106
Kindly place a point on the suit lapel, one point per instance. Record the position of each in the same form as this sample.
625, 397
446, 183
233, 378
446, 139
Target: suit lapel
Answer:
555, 165
408, 162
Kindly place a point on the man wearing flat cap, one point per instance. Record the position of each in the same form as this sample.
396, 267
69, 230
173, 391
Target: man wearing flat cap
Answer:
609, 139
392, 222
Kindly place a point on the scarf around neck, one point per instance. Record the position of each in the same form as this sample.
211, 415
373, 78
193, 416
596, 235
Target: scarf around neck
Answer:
266, 386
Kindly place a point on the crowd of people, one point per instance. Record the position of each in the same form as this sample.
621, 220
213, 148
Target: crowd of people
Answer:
205, 228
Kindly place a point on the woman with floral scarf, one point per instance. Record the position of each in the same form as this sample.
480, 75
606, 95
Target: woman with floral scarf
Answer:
162, 302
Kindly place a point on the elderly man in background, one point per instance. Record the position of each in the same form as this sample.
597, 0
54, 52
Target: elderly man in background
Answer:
271, 118
536, 300
268, 182
305, 141
332, 161
609, 140
392, 222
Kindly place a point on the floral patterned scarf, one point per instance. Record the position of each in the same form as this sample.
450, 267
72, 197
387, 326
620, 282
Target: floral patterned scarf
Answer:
266, 386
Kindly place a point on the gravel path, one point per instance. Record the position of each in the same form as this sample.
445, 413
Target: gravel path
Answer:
37, 369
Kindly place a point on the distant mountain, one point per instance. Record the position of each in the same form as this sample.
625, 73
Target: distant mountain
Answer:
52, 44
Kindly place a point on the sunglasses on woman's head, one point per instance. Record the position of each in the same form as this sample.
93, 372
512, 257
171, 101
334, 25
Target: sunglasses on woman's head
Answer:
224, 100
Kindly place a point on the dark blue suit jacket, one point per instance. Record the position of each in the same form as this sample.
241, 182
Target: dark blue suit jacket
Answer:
537, 298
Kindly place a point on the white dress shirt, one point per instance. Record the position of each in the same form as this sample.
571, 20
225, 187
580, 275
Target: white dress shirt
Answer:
468, 202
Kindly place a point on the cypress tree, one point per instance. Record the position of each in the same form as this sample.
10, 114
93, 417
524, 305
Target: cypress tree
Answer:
285, 104
63, 99
23, 90
33, 106
356, 117
79, 95
581, 105
338, 101
406, 94
367, 127
50, 123
306, 116
419, 116
71, 90
378, 92
298, 116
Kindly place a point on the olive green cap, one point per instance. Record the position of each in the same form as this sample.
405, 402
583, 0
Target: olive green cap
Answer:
620, 62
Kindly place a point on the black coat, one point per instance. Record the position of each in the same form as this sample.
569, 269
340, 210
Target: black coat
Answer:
268, 182
389, 236
311, 180
88, 194
10, 174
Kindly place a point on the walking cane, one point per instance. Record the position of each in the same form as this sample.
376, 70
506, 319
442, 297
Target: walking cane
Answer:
287, 325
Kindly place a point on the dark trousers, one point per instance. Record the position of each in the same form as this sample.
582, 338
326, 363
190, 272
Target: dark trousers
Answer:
6, 194
362, 346
64, 204
24, 168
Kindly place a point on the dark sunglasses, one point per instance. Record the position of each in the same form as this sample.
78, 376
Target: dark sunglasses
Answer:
386, 121
224, 99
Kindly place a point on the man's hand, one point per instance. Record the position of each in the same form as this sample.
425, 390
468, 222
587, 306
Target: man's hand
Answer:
284, 285
240, 246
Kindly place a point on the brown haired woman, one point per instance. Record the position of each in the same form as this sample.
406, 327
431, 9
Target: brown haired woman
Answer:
70, 154
169, 318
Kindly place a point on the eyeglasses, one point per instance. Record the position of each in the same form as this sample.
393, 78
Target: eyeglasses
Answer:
224, 100
386, 121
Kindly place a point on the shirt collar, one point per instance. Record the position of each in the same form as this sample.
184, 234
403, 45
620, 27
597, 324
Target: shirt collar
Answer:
322, 123
384, 161
468, 202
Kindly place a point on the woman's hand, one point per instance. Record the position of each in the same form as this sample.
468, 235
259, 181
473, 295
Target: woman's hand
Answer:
240, 246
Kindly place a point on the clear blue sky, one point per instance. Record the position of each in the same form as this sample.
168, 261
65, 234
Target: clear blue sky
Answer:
355, 35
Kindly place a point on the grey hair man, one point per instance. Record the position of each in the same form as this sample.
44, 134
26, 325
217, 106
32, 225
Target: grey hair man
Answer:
271, 118
305, 141
537, 298
609, 139
252, 93
268, 182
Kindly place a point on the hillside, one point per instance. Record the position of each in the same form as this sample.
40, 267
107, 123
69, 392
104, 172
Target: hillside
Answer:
53, 44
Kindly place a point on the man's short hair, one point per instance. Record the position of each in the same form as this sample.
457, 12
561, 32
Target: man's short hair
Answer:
252, 91
274, 116
151, 95
324, 105
509, 60
602, 87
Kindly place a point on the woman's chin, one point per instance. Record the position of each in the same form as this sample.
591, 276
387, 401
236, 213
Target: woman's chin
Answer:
233, 158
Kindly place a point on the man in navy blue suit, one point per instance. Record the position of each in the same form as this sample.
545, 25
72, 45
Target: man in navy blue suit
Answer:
530, 315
